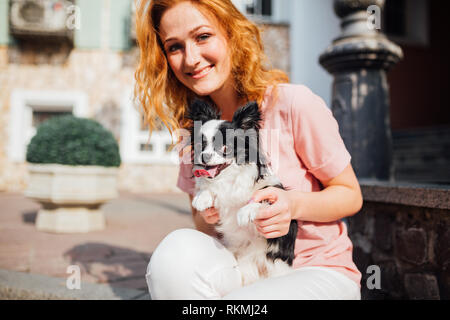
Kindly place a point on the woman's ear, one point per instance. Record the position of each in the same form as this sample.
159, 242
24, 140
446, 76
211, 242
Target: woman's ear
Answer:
200, 110
247, 117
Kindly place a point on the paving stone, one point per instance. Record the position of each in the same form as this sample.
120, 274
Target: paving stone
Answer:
117, 255
17, 285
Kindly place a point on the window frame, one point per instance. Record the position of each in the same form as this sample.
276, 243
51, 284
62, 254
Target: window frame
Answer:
417, 24
22, 103
132, 137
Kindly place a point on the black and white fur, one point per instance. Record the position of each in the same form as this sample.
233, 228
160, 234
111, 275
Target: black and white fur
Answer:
230, 190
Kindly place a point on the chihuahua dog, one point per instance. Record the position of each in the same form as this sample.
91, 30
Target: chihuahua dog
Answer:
229, 166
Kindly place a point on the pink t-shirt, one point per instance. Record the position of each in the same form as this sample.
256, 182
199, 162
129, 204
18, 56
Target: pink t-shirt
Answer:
301, 138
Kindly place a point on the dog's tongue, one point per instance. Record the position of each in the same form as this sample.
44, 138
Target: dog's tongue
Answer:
211, 172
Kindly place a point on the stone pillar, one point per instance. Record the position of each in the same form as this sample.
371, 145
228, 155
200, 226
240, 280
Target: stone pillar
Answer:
359, 59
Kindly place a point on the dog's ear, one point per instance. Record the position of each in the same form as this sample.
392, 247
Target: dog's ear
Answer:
247, 117
200, 110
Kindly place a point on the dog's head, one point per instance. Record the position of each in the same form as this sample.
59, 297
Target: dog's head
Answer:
218, 143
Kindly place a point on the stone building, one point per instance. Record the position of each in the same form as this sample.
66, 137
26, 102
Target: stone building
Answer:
80, 59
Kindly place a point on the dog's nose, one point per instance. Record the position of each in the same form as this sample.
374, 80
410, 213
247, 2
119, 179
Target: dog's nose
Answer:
206, 157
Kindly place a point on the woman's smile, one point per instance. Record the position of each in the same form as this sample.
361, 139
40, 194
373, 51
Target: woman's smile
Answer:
201, 73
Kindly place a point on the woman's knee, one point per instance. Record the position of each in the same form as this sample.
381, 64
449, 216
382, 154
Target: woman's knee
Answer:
173, 250
184, 261
170, 260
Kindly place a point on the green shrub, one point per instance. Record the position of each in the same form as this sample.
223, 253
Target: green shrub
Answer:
73, 141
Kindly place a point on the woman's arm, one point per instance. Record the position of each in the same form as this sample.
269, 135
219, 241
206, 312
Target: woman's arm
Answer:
340, 198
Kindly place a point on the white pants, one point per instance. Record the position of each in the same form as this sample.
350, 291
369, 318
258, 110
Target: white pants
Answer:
190, 265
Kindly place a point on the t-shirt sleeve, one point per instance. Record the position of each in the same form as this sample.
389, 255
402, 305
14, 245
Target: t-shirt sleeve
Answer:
317, 141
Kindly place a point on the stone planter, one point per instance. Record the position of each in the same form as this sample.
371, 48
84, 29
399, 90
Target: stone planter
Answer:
71, 196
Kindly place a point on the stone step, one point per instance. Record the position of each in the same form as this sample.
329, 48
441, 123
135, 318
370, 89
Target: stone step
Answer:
422, 155
25, 286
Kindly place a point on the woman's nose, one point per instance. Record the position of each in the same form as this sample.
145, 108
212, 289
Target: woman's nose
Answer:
192, 57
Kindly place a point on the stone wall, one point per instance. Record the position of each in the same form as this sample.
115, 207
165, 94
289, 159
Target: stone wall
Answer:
409, 243
277, 45
105, 76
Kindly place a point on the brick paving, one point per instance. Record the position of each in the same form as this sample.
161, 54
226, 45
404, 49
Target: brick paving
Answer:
117, 255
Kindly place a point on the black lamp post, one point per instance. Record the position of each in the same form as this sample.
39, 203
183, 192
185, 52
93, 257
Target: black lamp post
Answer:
359, 59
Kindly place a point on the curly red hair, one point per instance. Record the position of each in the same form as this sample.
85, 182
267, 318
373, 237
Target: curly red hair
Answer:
159, 92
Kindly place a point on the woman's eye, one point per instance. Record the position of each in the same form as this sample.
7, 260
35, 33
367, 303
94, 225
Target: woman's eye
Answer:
203, 37
174, 48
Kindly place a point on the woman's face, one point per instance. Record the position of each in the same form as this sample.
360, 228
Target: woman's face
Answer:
196, 49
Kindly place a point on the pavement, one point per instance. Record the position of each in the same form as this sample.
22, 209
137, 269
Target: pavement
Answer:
112, 262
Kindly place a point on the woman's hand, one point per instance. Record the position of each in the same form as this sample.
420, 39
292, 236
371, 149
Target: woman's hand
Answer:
274, 220
210, 215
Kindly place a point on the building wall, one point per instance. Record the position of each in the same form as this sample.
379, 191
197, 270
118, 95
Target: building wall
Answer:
4, 34
84, 71
313, 27
99, 66
418, 84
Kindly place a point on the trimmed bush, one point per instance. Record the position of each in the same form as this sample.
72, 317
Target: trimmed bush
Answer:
73, 141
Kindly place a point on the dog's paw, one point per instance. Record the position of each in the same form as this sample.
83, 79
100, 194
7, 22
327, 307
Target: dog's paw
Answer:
247, 214
203, 200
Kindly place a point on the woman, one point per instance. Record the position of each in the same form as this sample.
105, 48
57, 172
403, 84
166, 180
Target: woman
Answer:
208, 49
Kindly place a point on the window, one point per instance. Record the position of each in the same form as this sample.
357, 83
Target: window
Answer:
135, 146
146, 147
407, 22
30, 108
395, 18
259, 8
40, 114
